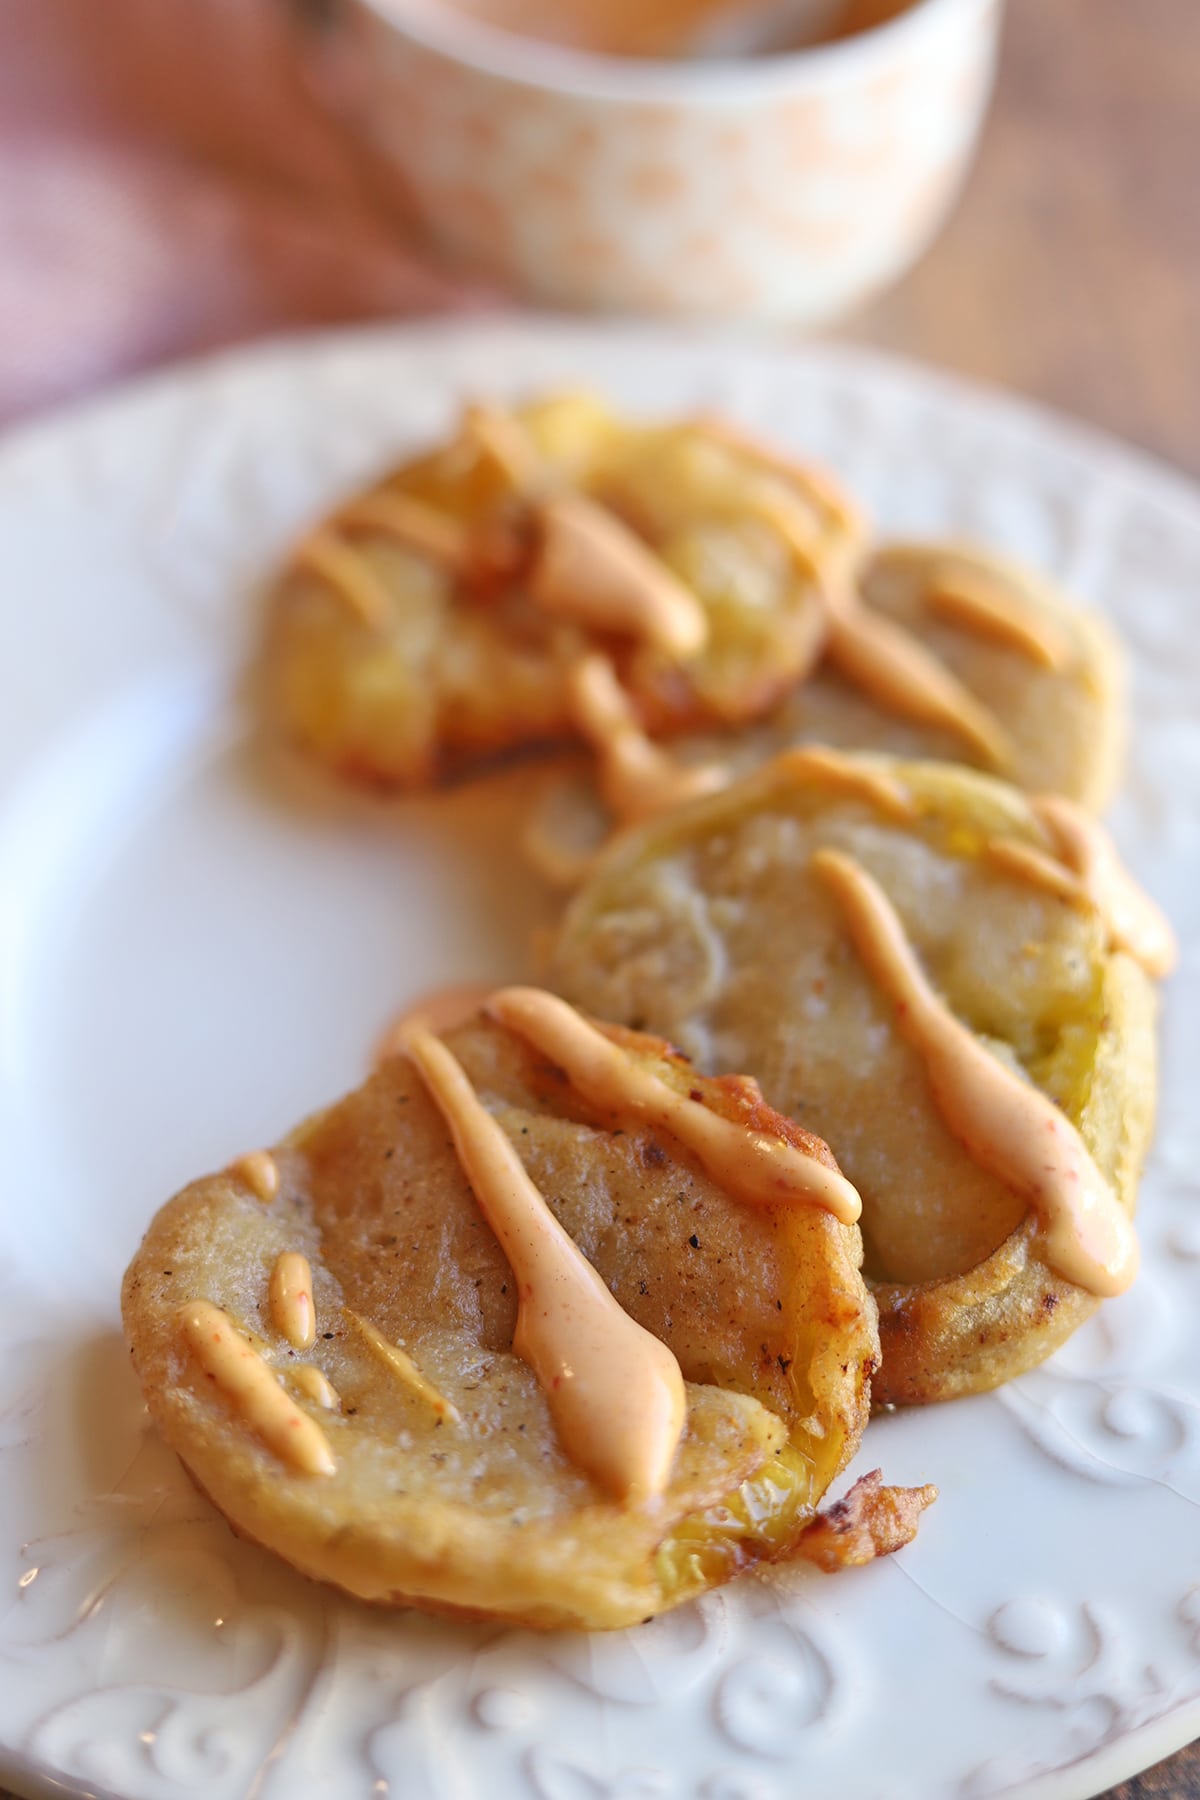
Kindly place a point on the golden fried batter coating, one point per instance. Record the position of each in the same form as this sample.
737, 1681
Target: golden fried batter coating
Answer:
417, 631
467, 1501
870, 1521
713, 927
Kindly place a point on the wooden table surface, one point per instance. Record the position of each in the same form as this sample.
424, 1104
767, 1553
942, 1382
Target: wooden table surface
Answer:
1071, 269
1071, 272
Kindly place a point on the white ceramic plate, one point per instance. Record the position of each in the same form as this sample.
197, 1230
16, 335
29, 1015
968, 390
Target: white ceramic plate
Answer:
195, 949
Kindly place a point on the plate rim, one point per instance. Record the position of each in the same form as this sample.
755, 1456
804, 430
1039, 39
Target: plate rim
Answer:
1143, 1745
1082, 437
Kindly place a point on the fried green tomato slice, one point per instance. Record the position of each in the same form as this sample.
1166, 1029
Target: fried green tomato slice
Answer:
1045, 672
1044, 676
408, 639
450, 1489
713, 927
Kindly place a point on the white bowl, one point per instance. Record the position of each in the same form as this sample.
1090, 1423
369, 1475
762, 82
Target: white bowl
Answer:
784, 187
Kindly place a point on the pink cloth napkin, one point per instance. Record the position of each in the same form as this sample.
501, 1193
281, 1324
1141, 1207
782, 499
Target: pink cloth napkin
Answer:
174, 175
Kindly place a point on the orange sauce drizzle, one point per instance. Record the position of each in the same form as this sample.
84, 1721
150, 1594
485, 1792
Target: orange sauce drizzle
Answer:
315, 1386
1008, 1126
439, 1010
1137, 925
809, 762
755, 1168
347, 575
1036, 866
890, 665
615, 1393
291, 1300
555, 857
260, 1172
413, 523
591, 569
254, 1389
969, 599
637, 779
789, 521
1090, 875
816, 485
401, 1364
504, 439
879, 656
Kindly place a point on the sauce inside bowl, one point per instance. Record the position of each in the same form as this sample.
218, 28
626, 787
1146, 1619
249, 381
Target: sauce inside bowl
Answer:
679, 29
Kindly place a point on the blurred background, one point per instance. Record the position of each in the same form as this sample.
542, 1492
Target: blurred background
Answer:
176, 176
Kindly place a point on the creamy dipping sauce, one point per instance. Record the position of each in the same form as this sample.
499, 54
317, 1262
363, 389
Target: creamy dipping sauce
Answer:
673, 28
